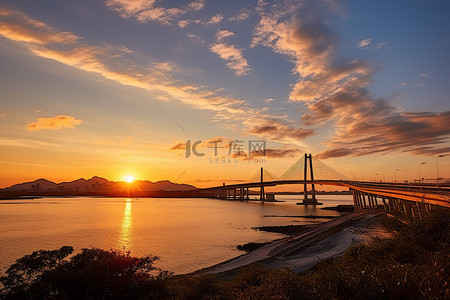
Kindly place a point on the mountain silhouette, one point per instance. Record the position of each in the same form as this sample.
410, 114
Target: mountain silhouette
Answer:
98, 184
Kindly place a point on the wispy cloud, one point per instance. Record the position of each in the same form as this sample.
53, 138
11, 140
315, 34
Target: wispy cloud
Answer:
54, 123
147, 10
151, 10
186, 22
366, 44
123, 69
337, 152
243, 14
380, 45
426, 75
195, 37
336, 89
230, 53
20, 27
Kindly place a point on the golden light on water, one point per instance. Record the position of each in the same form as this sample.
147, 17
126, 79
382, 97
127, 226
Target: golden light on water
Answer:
125, 238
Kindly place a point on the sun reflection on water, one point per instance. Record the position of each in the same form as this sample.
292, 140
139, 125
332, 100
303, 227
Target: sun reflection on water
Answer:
125, 238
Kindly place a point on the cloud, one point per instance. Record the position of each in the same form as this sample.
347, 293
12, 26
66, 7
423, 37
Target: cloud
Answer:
19, 27
215, 19
2, 115
380, 45
196, 5
335, 89
222, 34
146, 10
179, 146
426, 75
278, 130
195, 37
213, 146
281, 152
311, 46
364, 43
129, 8
225, 143
337, 152
183, 23
55, 123
243, 14
163, 67
124, 70
121, 65
332, 88
230, 53
237, 62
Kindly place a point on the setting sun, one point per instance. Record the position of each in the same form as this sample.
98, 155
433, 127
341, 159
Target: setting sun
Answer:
129, 178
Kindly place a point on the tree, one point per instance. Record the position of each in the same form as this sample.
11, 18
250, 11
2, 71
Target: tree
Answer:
93, 273
23, 275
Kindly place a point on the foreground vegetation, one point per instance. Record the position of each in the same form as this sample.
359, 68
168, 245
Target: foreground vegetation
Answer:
414, 264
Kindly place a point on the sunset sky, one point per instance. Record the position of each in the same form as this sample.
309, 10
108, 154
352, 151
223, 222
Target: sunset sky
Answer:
115, 88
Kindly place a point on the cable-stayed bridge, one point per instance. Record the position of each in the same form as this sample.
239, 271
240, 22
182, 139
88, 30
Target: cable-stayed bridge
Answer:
411, 199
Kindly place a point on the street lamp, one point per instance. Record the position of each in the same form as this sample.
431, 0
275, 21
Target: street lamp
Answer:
420, 178
437, 167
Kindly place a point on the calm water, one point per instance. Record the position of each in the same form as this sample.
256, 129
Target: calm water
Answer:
187, 234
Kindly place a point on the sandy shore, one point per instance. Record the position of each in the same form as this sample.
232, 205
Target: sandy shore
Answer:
304, 250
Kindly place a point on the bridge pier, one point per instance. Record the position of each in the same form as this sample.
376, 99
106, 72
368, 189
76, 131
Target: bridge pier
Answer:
362, 203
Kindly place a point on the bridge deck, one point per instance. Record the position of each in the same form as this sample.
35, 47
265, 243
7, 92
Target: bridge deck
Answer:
411, 192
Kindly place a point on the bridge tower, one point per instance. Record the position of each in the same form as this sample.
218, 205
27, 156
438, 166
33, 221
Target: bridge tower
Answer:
306, 200
261, 194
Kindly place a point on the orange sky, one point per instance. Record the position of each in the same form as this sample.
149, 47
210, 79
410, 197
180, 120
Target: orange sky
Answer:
82, 100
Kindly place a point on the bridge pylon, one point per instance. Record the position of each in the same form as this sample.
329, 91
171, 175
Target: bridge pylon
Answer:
262, 195
306, 200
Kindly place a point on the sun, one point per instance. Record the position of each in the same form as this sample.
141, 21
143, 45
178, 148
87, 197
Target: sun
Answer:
129, 179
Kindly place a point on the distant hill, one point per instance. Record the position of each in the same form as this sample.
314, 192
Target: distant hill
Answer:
42, 184
97, 185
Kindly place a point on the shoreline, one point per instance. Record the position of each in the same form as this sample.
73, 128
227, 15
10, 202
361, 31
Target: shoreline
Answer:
17, 195
304, 249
